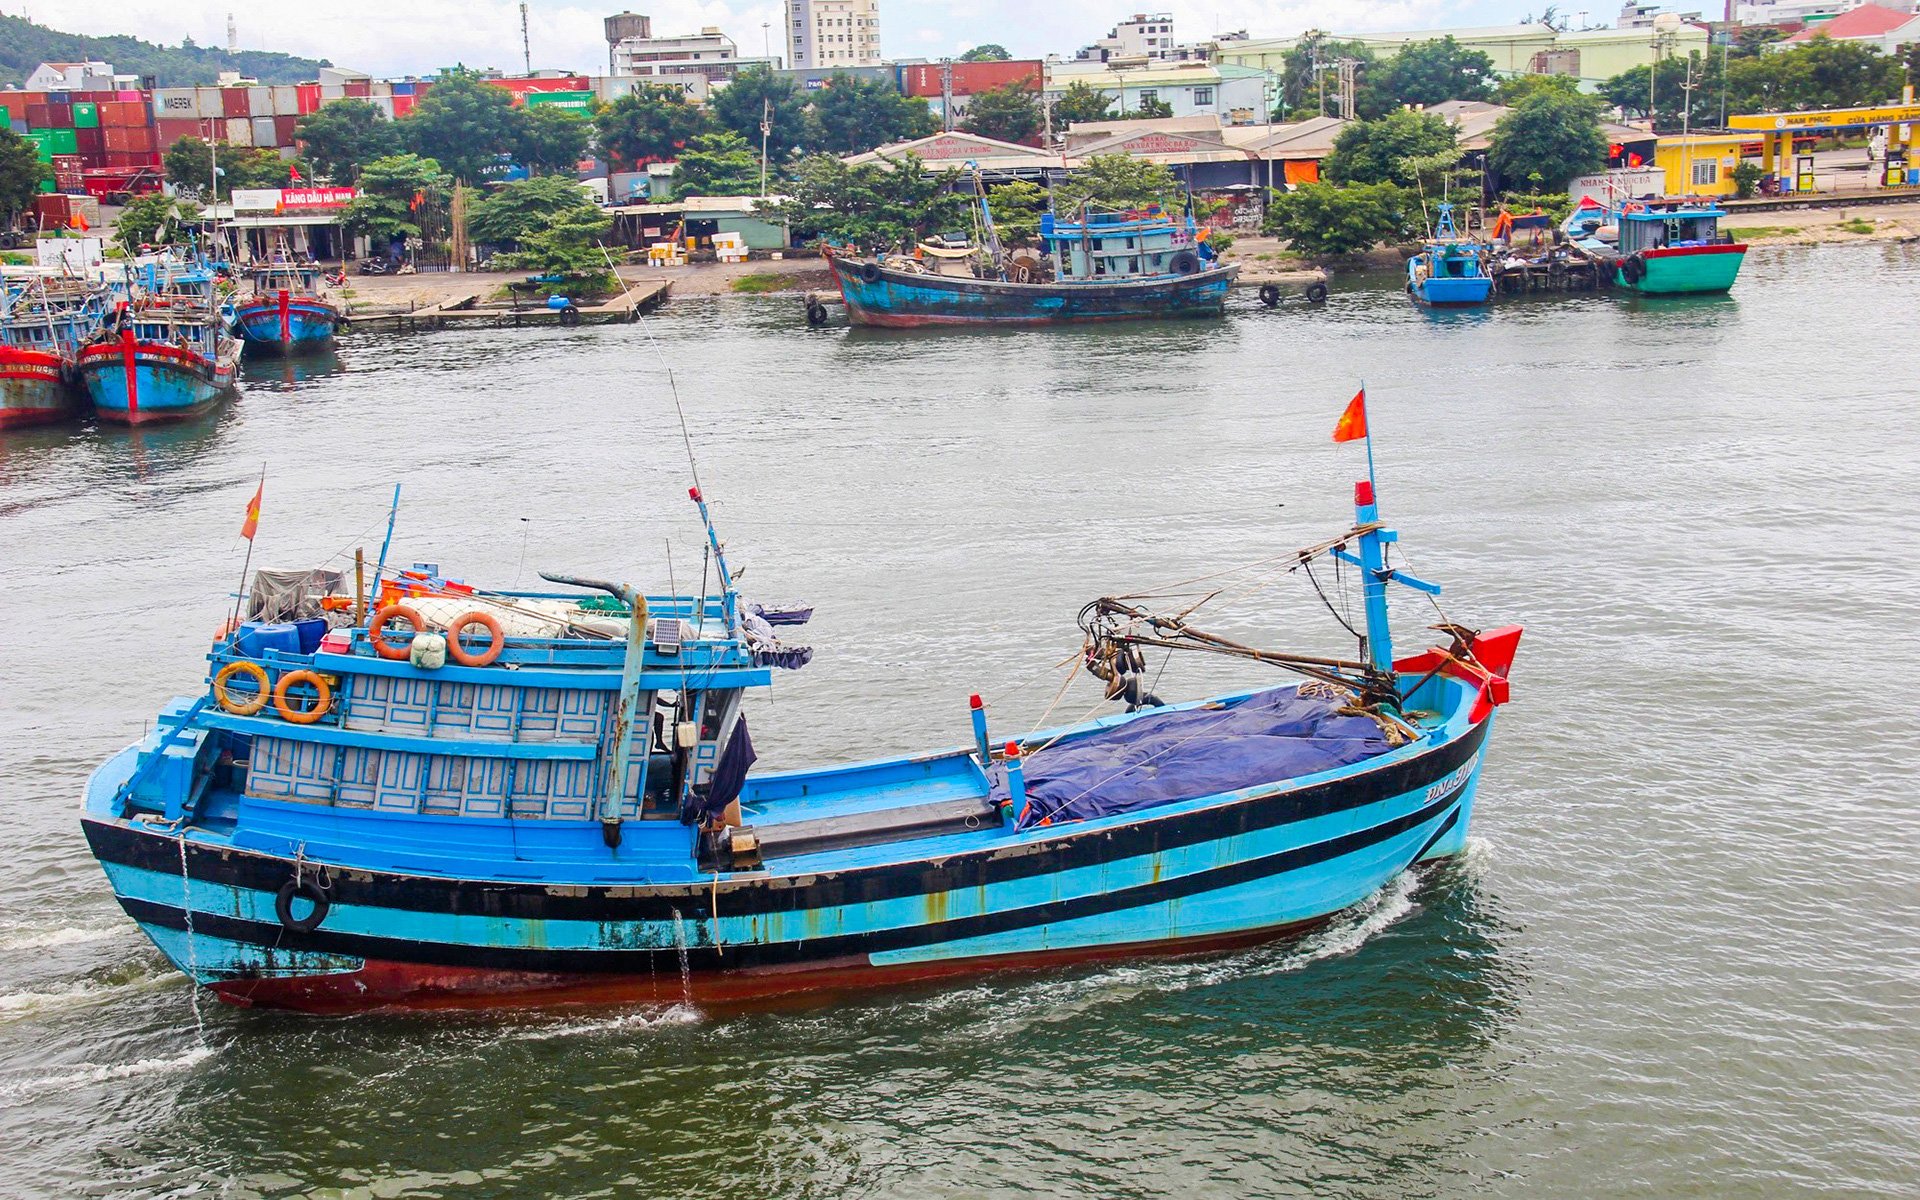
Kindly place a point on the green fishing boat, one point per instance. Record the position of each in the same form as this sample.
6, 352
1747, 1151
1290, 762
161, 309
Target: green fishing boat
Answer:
1664, 249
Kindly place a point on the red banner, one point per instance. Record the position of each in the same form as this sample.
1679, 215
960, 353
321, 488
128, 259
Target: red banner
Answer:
316, 197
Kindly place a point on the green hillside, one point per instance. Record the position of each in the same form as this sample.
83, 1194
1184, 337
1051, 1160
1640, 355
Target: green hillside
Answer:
25, 45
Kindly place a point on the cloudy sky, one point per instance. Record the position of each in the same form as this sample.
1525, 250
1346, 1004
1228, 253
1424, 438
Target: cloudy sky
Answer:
419, 36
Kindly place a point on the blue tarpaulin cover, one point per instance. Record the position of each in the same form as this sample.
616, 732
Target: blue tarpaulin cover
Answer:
1268, 737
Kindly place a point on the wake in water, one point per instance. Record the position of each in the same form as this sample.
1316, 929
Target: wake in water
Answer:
37, 938
87, 1074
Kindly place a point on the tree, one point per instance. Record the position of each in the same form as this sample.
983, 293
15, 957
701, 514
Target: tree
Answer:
1376, 151
1547, 139
652, 124
852, 116
1910, 56
396, 193
989, 52
523, 206
717, 164
1016, 209
1149, 108
757, 94
342, 135
553, 139
20, 173
1517, 88
1430, 72
568, 244
1331, 219
466, 125
190, 163
1010, 113
1117, 181
152, 220
871, 204
1080, 102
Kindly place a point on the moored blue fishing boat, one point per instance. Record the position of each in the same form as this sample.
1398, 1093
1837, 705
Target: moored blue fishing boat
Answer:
1139, 264
168, 357
567, 810
43, 322
287, 310
1447, 270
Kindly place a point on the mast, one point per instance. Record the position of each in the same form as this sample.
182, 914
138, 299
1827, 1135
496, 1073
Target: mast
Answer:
1373, 575
986, 217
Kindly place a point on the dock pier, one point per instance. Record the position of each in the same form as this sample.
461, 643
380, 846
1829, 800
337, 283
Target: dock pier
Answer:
468, 312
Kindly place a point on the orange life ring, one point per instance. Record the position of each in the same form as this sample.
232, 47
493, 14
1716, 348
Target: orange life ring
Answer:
262, 685
377, 631
497, 639
323, 697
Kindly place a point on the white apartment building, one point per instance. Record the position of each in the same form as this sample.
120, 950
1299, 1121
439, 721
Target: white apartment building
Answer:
700, 53
833, 33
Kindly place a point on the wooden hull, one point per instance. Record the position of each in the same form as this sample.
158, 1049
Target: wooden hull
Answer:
1685, 270
286, 324
898, 299
140, 382
33, 388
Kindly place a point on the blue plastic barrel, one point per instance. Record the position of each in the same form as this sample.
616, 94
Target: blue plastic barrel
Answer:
556, 303
258, 637
311, 631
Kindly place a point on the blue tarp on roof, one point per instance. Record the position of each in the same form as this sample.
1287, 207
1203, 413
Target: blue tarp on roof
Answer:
1170, 756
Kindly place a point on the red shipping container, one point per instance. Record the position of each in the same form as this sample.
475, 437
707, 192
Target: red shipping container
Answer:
283, 128
15, 104
40, 116
360, 89
125, 139
89, 141
233, 102
972, 78
172, 129
309, 96
402, 105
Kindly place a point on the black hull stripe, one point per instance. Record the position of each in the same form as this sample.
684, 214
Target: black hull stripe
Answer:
750, 896
741, 956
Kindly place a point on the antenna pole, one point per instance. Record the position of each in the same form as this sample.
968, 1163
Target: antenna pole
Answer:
526, 45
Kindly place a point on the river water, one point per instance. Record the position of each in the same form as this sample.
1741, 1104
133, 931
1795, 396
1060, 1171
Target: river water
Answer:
1680, 958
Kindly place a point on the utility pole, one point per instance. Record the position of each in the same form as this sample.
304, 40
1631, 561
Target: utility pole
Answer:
766, 127
526, 43
946, 93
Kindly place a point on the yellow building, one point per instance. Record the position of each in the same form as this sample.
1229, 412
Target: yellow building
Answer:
1775, 132
1700, 164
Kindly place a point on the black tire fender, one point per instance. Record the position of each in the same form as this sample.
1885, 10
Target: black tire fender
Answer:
1270, 295
305, 889
870, 271
1316, 293
570, 315
816, 314
1186, 262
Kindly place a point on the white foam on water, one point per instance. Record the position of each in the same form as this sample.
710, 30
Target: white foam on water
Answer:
21, 938
89, 1074
643, 1019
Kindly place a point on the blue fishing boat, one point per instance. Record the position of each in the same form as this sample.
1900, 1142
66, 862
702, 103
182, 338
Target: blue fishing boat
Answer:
43, 323
166, 355
1448, 270
480, 797
287, 311
1138, 264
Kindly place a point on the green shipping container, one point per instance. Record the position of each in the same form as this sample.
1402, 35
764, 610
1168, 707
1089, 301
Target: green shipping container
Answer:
86, 115
46, 185
41, 140
62, 141
578, 102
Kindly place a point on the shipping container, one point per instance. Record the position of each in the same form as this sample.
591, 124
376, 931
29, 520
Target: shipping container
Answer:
233, 103
260, 101
89, 141
286, 100
404, 88
129, 95
360, 89
332, 91
379, 87
40, 116
42, 143
169, 130
62, 99
285, 130
130, 139
86, 115
63, 141
384, 104
240, 131
972, 78
265, 136
175, 104
578, 101
15, 104
402, 105
309, 97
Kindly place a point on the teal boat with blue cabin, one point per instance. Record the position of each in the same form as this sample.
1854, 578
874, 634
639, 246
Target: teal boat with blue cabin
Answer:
511, 797
1449, 270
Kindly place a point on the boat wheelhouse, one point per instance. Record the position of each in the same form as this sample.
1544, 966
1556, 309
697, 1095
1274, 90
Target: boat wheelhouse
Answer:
171, 357
287, 311
537, 796
43, 322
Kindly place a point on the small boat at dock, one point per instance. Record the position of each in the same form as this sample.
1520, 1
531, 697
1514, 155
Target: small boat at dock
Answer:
44, 320
1103, 266
472, 797
287, 311
1660, 247
1449, 270
170, 356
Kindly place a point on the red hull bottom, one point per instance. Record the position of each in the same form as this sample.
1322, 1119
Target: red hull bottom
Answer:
381, 984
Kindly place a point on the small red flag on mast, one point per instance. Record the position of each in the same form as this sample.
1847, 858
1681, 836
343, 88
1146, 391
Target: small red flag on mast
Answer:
253, 511
1353, 422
